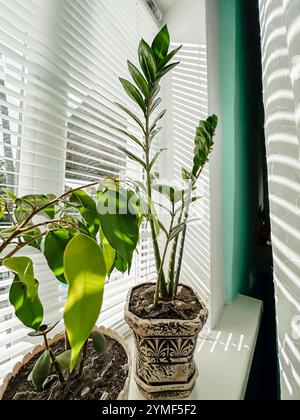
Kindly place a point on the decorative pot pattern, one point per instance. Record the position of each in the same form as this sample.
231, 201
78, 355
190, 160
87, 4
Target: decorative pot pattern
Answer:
165, 367
123, 395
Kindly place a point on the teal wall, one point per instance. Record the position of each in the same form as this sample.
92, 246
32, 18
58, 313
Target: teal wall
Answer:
239, 144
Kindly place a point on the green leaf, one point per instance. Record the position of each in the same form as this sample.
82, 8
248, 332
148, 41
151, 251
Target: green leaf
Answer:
41, 370
133, 93
139, 79
167, 69
192, 200
147, 61
131, 115
163, 228
154, 134
132, 137
99, 341
23, 267
161, 44
165, 190
132, 156
204, 142
10, 194
179, 228
168, 58
85, 271
121, 264
54, 247
36, 201
28, 311
30, 236
64, 359
119, 222
186, 175
156, 157
109, 253
87, 208
158, 118
156, 90
2, 211
155, 105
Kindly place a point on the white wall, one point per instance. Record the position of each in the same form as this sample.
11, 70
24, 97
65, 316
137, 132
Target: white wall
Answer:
189, 99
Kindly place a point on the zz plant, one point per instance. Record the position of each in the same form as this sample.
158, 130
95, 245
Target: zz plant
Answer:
82, 245
155, 62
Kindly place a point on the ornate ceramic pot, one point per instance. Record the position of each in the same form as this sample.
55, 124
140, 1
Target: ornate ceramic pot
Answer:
165, 366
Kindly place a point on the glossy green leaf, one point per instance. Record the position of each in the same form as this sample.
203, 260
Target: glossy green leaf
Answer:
133, 93
155, 105
168, 58
204, 142
85, 271
155, 91
179, 228
154, 133
2, 211
147, 61
99, 341
54, 247
26, 204
109, 253
131, 115
131, 136
161, 44
10, 194
121, 264
64, 359
156, 157
167, 69
182, 207
119, 222
28, 310
33, 238
139, 79
87, 208
157, 119
186, 175
23, 267
41, 370
132, 156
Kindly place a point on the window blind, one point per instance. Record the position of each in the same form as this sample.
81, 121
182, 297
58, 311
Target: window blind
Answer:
60, 61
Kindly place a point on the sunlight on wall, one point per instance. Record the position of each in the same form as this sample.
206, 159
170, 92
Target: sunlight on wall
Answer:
280, 27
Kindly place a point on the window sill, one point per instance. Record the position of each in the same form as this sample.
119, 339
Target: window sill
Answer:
224, 356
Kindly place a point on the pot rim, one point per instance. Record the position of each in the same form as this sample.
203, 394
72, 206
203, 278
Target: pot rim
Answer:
204, 310
123, 395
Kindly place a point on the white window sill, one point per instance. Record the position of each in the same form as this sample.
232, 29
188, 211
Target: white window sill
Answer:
224, 357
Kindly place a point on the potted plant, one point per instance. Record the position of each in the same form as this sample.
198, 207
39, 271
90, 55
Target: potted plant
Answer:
85, 362
165, 317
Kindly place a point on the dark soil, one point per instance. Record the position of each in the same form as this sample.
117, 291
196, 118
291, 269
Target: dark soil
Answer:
103, 377
186, 306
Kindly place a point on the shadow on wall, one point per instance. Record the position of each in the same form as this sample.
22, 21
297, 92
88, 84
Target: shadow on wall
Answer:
280, 27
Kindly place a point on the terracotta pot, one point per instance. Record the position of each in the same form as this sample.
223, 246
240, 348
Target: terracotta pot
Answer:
165, 366
123, 395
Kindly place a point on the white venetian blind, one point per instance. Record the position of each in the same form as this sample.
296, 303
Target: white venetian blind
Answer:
60, 61
280, 32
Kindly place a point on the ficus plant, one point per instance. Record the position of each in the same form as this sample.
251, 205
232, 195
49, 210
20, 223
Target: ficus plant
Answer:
155, 62
83, 242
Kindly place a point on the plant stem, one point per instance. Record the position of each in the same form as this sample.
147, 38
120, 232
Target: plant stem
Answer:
171, 269
156, 297
182, 242
84, 351
54, 361
161, 282
38, 210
